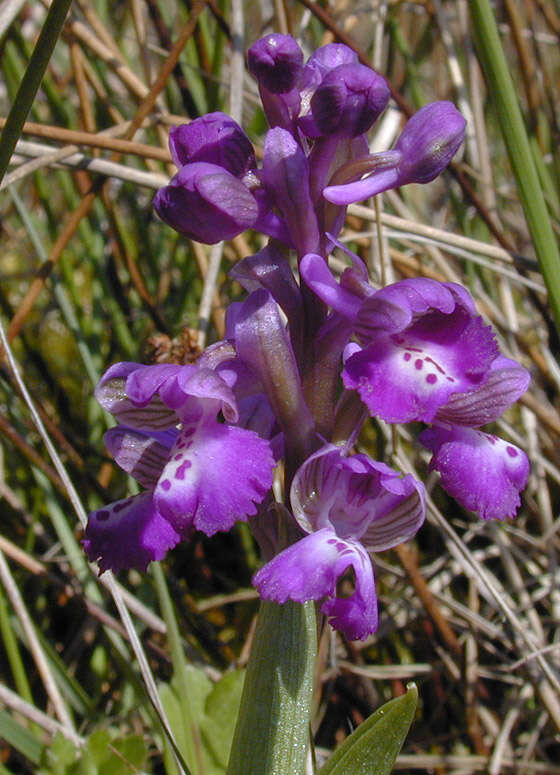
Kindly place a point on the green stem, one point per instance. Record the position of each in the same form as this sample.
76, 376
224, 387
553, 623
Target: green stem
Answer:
272, 733
503, 94
31, 80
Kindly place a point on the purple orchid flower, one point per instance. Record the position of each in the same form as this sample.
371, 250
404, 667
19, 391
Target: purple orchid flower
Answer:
424, 354
429, 141
348, 100
200, 473
347, 506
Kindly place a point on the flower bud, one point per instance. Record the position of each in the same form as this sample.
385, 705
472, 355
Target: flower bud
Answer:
429, 141
276, 62
215, 138
348, 100
206, 203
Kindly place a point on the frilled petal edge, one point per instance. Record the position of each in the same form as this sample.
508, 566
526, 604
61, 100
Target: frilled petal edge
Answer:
482, 472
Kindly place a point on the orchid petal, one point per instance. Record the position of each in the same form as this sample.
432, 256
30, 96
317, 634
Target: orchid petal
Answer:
409, 376
316, 273
141, 455
506, 382
128, 534
358, 498
215, 475
483, 472
309, 570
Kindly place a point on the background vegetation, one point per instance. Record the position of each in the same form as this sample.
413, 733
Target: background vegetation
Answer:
89, 276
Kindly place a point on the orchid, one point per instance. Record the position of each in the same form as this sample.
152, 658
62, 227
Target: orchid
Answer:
199, 473
304, 348
347, 505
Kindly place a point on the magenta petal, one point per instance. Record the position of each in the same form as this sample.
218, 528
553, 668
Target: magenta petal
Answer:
128, 534
216, 475
408, 376
304, 571
355, 616
483, 472
310, 569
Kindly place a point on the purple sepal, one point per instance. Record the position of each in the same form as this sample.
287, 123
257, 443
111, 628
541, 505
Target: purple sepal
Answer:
130, 533
141, 455
111, 393
206, 203
482, 472
506, 381
358, 498
276, 62
430, 139
319, 64
286, 175
214, 138
348, 100
426, 146
310, 569
215, 476
184, 389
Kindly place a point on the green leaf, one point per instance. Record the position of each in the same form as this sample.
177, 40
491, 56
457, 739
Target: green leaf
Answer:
222, 706
19, 737
375, 744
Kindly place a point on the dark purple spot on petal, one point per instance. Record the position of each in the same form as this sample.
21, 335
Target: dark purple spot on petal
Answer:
431, 379
512, 452
178, 456
180, 472
186, 432
436, 364
450, 379
103, 515
407, 356
418, 363
166, 484
120, 506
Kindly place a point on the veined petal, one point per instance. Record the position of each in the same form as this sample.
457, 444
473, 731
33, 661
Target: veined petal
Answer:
506, 382
112, 393
310, 569
128, 534
483, 472
139, 454
358, 498
216, 474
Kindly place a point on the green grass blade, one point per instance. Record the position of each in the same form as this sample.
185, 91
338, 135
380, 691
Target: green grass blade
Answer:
503, 94
32, 80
